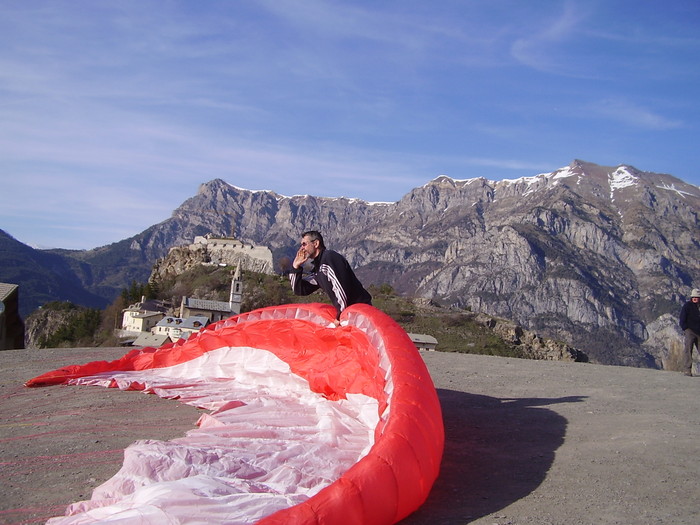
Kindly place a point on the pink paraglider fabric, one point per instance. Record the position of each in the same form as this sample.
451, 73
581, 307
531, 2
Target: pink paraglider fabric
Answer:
308, 423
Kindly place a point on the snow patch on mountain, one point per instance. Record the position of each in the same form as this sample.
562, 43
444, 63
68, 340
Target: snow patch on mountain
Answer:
565, 173
621, 178
672, 187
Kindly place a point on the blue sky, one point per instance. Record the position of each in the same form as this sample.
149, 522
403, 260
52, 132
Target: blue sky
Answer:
113, 112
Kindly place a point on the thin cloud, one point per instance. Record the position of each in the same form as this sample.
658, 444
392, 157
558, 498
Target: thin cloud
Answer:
510, 164
536, 50
631, 114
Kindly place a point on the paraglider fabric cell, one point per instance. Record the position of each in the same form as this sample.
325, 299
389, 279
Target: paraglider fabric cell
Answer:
308, 423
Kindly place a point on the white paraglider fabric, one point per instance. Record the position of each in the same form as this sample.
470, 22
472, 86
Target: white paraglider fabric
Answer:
267, 443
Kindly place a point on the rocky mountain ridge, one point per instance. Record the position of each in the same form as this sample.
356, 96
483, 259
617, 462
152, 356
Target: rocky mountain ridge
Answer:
599, 257
588, 254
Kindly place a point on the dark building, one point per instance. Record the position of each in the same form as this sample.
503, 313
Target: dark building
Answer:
11, 324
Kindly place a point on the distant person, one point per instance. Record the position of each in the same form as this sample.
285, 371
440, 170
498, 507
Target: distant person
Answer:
331, 273
689, 320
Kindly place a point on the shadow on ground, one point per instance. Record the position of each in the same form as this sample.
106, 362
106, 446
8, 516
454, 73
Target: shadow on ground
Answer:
496, 452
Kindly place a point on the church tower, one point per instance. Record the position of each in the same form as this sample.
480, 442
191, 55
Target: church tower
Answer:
236, 295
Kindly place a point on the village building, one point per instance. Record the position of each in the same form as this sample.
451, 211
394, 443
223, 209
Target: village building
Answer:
11, 324
171, 329
424, 341
215, 310
149, 339
151, 324
142, 316
180, 328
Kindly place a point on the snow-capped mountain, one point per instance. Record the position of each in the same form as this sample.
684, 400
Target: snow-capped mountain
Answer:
600, 257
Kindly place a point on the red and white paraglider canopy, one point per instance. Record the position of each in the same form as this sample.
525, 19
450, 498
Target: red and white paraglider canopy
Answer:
309, 423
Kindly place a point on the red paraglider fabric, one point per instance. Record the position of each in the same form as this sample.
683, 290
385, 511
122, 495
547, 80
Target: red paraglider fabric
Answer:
310, 423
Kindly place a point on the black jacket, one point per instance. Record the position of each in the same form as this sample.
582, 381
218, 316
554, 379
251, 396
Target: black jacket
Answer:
331, 273
690, 317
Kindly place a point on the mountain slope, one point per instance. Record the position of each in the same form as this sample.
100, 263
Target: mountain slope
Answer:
600, 257
44, 276
590, 254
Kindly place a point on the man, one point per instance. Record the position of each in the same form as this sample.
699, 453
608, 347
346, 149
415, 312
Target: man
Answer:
689, 320
331, 273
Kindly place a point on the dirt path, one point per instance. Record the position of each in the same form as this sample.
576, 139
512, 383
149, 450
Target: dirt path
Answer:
528, 442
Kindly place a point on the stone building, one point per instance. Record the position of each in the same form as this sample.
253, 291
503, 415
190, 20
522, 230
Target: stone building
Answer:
230, 251
215, 310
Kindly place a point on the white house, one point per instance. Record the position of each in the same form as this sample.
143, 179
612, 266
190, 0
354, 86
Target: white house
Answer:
142, 316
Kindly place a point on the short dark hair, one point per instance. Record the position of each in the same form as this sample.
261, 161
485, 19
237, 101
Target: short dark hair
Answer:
314, 236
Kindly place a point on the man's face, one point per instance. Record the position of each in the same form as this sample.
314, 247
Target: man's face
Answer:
310, 247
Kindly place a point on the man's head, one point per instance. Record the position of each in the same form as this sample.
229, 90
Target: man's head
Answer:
312, 243
695, 295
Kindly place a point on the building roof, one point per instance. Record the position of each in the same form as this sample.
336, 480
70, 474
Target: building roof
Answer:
6, 289
144, 315
190, 323
423, 338
205, 304
151, 305
149, 339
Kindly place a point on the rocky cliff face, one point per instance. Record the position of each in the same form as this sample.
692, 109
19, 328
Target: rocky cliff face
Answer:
599, 257
589, 254
44, 322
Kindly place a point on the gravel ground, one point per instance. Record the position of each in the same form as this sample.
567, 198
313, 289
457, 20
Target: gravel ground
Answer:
527, 442
542, 442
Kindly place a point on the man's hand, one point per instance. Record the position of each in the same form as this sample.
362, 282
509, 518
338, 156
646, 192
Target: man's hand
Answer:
300, 258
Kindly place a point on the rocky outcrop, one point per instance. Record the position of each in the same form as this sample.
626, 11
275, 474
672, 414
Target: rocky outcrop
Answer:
209, 250
46, 321
529, 343
179, 260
